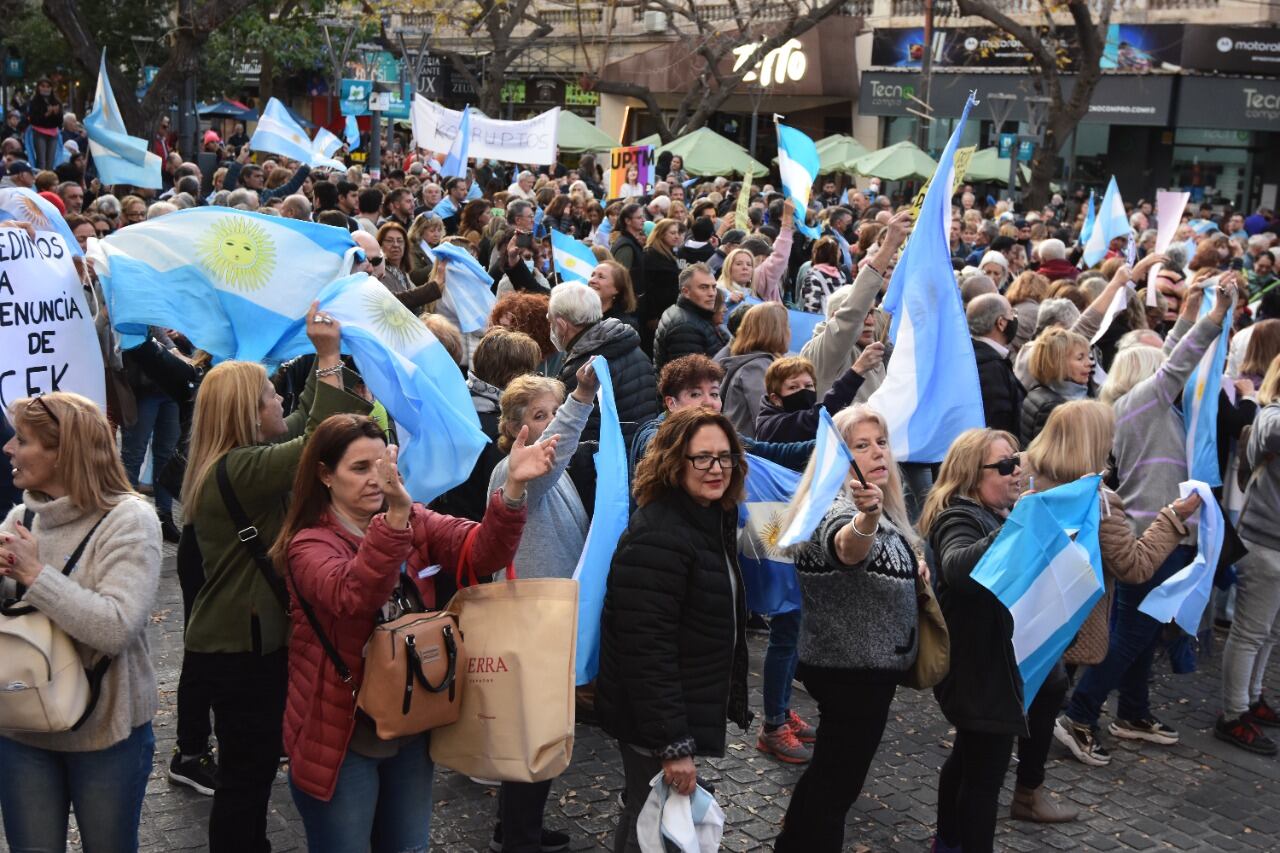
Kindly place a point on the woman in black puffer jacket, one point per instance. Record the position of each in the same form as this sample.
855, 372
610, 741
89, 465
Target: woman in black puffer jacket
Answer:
981, 696
673, 652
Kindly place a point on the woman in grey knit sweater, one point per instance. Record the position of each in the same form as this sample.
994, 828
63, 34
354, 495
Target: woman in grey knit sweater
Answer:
857, 577
75, 492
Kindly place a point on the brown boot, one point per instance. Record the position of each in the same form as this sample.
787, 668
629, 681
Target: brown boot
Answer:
1035, 805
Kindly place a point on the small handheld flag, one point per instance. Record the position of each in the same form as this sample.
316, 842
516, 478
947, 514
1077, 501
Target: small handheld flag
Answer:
798, 165
1200, 401
119, 157
768, 572
455, 165
573, 259
278, 133
352, 133
1110, 224
1182, 598
831, 468
467, 286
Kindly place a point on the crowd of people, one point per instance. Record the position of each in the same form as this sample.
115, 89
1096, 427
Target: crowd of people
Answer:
690, 304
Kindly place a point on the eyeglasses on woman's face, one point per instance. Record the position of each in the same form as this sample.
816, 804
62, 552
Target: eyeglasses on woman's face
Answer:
1005, 467
704, 461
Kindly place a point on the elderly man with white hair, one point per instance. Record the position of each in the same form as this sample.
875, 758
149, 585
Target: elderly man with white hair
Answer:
522, 187
1053, 261
580, 332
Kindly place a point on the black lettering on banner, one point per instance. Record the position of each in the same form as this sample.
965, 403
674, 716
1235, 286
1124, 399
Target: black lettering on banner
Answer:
35, 379
5, 284
40, 342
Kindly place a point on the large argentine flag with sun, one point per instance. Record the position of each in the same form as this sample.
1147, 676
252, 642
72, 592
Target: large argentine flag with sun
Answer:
235, 283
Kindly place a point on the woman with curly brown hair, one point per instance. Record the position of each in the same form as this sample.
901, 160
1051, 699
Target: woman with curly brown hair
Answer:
669, 672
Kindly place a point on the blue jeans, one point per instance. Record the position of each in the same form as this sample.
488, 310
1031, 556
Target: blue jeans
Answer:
157, 424
780, 666
1132, 646
383, 804
38, 787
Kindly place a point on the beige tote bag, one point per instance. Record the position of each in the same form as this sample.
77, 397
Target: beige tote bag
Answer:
517, 716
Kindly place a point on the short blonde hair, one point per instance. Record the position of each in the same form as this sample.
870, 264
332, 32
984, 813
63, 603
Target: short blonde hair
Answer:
520, 393
87, 459
1053, 349
1075, 441
1130, 366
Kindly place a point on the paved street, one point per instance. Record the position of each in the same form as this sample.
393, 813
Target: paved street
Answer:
1198, 795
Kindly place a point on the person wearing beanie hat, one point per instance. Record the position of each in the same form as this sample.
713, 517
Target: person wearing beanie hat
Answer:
53, 199
701, 243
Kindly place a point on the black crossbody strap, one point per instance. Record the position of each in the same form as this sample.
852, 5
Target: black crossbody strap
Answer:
248, 535
344, 671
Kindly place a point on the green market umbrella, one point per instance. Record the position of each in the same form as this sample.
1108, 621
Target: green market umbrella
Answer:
836, 154
987, 165
576, 135
901, 162
652, 139
708, 154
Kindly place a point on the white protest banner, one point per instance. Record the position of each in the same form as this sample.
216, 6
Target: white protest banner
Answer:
531, 141
46, 334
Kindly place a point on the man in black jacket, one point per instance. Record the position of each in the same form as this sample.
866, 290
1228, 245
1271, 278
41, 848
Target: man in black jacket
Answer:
250, 176
993, 324
688, 326
578, 330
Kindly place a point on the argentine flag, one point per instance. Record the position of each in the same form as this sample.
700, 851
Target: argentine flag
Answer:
608, 522
411, 374
278, 133
60, 154
455, 164
1046, 568
1111, 223
118, 157
573, 259
1090, 216
235, 283
931, 393
831, 461
1182, 598
26, 205
467, 286
1200, 402
322, 149
352, 133
798, 165
768, 573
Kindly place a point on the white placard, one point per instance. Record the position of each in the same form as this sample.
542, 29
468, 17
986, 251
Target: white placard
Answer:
46, 333
1169, 210
532, 141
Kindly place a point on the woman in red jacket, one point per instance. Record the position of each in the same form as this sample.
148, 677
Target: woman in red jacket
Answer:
351, 536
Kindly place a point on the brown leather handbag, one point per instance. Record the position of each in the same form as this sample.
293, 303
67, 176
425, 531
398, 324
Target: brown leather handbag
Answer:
411, 682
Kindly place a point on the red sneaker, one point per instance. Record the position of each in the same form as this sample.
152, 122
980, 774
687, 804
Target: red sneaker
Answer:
804, 732
781, 743
1262, 714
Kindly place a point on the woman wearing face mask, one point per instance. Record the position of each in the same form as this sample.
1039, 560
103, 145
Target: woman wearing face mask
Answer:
790, 409
673, 650
352, 538
236, 635
1061, 366
979, 482
518, 265
857, 575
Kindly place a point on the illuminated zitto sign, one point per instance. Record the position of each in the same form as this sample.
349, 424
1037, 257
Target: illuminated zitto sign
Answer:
783, 64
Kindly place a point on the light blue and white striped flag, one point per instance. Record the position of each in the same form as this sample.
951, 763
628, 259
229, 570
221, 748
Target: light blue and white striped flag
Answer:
798, 165
1046, 568
26, 205
1183, 597
455, 164
118, 157
467, 286
768, 572
573, 258
60, 154
608, 522
323, 147
833, 461
352, 133
1200, 402
1112, 222
235, 283
410, 373
931, 392
278, 133
1090, 217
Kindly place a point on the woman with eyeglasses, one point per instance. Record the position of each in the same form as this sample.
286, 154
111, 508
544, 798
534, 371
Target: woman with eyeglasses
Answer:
77, 500
394, 270
978, 484
857, 575
673, 650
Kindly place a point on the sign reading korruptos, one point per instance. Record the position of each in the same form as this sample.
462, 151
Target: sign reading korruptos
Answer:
46, 333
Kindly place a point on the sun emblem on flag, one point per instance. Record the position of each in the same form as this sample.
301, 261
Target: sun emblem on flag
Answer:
28, 210
771, 532
238, 253
396, 324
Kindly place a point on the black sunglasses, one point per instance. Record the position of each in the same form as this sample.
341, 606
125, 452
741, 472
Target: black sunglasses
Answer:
39, 399
1005, 467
